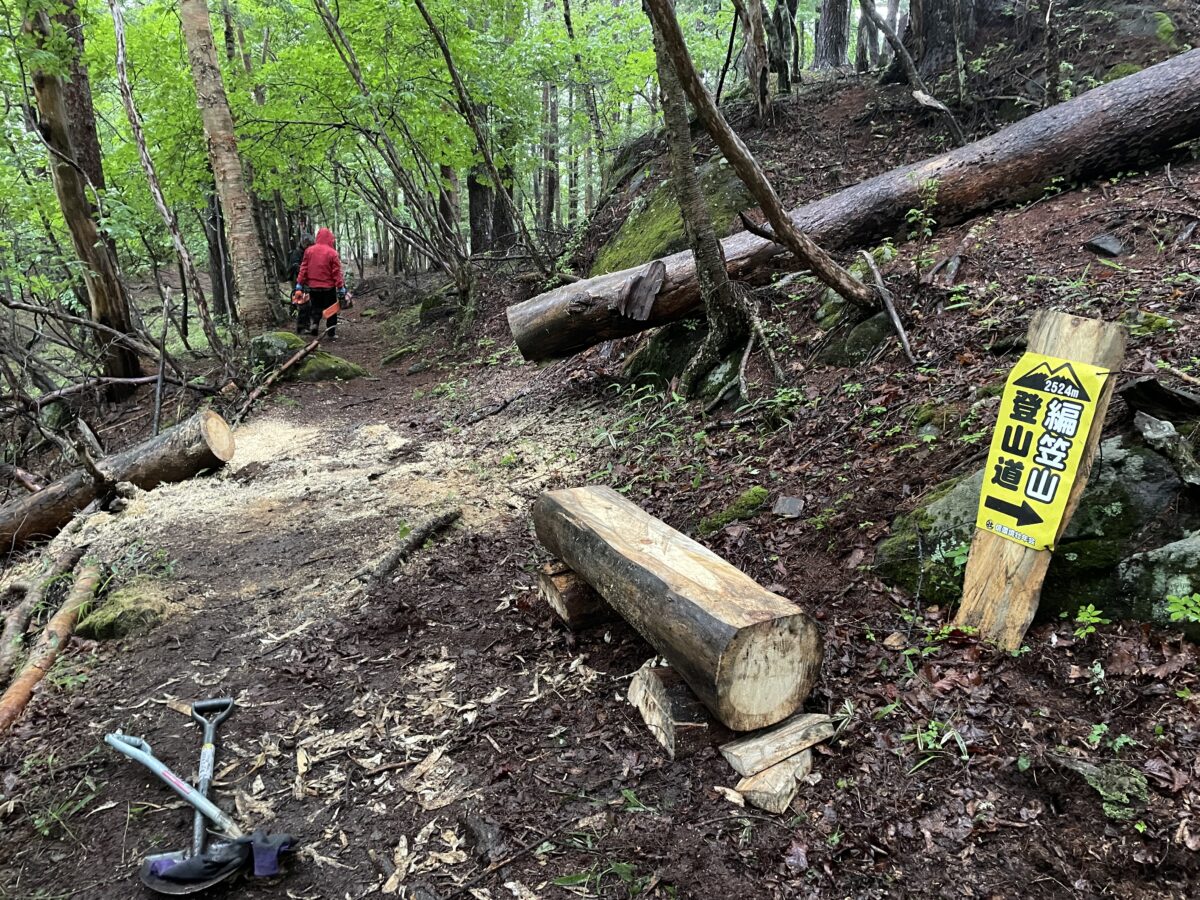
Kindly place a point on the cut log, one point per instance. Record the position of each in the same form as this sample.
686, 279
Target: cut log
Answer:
202, 442
774, 788
58, 631
676, 718
749, 655
1111, 128
751, 754
571, 597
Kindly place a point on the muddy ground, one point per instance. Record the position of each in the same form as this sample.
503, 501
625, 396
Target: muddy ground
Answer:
445, 737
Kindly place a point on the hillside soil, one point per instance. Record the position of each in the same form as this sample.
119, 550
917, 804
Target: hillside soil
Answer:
446, 737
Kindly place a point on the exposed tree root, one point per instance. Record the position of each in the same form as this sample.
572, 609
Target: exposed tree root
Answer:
16, 620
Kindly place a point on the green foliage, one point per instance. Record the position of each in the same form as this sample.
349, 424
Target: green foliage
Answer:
1184, 608
1087, 619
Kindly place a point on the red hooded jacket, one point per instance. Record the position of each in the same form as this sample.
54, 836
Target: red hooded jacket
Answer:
321, 266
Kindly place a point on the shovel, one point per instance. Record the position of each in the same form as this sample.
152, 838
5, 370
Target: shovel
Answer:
166, 873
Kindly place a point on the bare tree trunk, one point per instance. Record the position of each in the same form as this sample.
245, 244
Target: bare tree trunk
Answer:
750, 12
893, 14
192, 279
780, 38
833, 35
77, 92
220, 270
249, 269
589, 90
726, 319
935, 30
106, 294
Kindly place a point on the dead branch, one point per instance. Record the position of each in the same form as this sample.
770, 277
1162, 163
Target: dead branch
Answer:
372, 576
273, 377
26, 479
57, 633
886, 296
17, 618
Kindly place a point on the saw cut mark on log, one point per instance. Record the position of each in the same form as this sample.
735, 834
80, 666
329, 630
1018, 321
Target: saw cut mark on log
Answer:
775, 787
1125, 123
572, 598
751, 754
1003, 581
751, 656
672, 713
58, 632
197, 444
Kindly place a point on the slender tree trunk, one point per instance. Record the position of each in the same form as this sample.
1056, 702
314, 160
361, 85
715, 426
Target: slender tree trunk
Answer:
780, 38
188, 268
726, 319
249, 269
589, 181
572, 166
77, 93
589, 90
893, 15
220, 269
801, 50
750, 13
866, 49
106, 294
833, 35
551, 214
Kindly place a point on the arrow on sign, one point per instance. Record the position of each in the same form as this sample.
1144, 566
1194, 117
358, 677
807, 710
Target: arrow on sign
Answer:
1024, 514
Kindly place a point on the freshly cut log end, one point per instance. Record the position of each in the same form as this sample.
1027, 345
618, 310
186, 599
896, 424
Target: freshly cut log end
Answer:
672, 713
751, 754
751, 656
572, 598
199, 443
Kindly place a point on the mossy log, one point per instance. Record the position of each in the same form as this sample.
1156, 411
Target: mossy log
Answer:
749, 655
202, 442
1109, 129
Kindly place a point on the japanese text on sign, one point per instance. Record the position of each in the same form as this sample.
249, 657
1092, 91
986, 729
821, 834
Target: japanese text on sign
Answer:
1045, 417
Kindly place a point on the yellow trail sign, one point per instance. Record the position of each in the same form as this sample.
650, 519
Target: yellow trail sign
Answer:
1046, 414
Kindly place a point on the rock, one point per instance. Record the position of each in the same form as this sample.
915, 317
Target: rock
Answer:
1121, 511
417, 368
1106, 244
1150, 577
788, 507
834, 307
1149, 395
746, 505
851, 346
272, 349
132, 609
654, 226
1162, 436
720, 376
666, 354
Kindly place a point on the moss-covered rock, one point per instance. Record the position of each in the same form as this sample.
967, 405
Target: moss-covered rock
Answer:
1143, 324
1149, 578
1121, 508
834, 307
655, 228
746, 505
273, 349
851, 345
720, 376
134, 608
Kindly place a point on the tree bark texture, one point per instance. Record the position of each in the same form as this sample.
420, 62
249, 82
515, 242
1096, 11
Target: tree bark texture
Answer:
77, 91
750, 656
754, 55
202, 442
1129, 122
934, 27
833, 35
726, 321
106, 294
256, 310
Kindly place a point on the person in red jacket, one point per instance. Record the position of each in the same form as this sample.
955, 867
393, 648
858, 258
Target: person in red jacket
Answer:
321, 280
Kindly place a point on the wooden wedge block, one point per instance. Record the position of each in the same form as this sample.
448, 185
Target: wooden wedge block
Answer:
751, 754
751, 656
678, 720
774, 788
571, 597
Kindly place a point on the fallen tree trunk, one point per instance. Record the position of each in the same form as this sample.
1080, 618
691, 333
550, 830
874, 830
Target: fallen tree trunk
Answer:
749, 655
202, 442
58, 631
1111, 128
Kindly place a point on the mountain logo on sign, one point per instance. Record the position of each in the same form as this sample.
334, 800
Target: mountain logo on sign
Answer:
1061, 381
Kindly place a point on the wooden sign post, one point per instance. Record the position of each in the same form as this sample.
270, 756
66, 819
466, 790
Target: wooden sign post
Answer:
1051, 416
